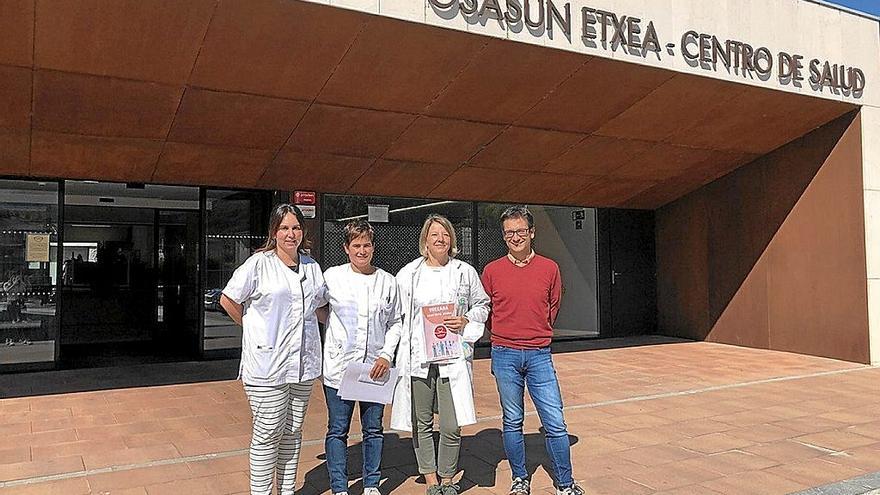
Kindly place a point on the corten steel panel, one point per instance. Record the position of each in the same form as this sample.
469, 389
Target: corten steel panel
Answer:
716, 165
437, 140
682, 230
662, 162
96, 158
677, 103
15, 97
738, 236
274, 47
784, 251
598, 155
759, 120
480, 184
401, 178
234, 119
816, 280
17, 32
347, 131
504, 81
197, 164
150, 40
522, 148
382, 72
103, 106
320, 172
609, 191
744, 320
544, 188
586, 100
14, 152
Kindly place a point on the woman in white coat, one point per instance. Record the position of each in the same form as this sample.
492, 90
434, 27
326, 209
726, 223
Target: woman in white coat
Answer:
272, 296
437, 278
363, 325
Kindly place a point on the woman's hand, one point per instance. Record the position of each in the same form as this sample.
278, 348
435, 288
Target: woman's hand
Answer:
455, 323
233, 309
380, 368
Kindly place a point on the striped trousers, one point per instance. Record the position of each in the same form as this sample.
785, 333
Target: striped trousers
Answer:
279, 411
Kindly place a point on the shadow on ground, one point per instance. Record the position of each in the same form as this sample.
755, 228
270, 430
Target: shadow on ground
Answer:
481, 457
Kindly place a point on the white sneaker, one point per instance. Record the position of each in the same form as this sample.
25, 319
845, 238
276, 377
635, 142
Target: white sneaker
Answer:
340, 493
371, 491
574, 489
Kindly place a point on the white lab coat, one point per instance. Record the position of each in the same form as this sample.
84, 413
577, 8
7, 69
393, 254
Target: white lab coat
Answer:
364, 321
462, 280
280, 342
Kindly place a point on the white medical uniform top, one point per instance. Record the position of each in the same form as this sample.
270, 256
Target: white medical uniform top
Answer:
420, 285
280, 342
364, 322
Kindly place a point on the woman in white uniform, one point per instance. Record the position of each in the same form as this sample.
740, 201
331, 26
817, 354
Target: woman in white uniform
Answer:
272, 296
437, 278
363, 326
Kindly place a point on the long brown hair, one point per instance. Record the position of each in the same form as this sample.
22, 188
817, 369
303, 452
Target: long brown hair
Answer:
275, 223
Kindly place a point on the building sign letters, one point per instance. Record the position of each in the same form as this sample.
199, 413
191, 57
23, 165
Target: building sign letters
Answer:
617, 32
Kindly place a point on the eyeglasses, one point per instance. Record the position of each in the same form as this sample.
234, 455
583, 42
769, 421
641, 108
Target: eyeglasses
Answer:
508, 234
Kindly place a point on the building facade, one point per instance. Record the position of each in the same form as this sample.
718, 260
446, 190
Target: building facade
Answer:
708, 171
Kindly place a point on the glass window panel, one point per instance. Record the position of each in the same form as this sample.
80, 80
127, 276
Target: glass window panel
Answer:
235, 226
28, 264
396, 240
566, 235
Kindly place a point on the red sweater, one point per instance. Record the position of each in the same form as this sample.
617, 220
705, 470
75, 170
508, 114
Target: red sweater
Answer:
525, 301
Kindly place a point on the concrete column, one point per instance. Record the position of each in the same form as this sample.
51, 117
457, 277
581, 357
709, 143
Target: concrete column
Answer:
871, 177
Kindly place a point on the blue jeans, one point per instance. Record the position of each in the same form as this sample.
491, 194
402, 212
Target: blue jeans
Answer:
336, 443
514, 370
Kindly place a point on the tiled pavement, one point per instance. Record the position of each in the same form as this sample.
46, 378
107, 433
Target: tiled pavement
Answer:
675, 418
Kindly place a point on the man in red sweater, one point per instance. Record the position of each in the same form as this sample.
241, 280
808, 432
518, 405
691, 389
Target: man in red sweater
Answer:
525, 289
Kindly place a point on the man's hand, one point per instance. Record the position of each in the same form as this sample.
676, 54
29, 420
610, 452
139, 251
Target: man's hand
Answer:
380, 368
455, 323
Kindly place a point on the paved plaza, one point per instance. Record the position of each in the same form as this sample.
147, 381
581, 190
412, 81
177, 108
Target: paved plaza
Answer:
659, 417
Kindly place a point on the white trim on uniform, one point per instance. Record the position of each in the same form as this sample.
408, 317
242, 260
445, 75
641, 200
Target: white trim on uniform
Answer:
364, 322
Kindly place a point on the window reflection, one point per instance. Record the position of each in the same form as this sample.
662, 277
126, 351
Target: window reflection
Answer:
235, 226
396, 240
28, 257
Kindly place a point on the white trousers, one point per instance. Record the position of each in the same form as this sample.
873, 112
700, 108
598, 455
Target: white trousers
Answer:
279, 411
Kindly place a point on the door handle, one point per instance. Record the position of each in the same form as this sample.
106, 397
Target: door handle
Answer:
614, 275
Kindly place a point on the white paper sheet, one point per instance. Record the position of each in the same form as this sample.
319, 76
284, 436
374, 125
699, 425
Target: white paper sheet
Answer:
357, 384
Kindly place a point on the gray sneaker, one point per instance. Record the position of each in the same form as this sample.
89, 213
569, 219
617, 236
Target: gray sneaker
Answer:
434, 490
574, 489
450, 489
519, 487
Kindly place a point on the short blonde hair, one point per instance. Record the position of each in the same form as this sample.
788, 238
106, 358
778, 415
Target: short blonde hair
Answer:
447, 225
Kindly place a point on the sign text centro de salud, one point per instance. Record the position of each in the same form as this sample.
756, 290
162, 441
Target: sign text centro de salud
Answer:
600, 29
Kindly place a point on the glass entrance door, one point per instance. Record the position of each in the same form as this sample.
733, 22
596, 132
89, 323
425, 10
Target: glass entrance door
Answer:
177, 295
129, 275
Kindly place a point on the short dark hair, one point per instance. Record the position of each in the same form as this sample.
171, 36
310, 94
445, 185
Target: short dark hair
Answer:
518, 211
357, 228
